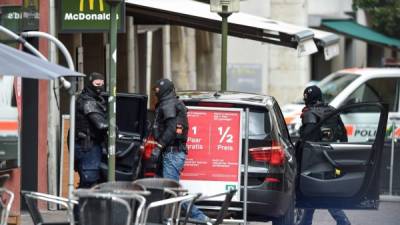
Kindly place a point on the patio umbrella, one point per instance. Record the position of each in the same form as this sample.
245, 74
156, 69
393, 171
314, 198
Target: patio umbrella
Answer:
18, 63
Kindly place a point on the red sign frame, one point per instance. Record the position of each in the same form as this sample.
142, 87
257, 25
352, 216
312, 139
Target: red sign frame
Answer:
214, 150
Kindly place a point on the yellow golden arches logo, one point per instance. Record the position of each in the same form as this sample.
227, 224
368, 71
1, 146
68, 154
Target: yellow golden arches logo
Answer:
91, 5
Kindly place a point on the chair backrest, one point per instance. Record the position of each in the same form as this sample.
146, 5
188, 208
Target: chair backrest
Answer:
122, 186
105, 205
31, 203
160, 189
119, 185
104, 210
157, 183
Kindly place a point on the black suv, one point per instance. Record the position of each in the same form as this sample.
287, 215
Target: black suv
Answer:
280, 178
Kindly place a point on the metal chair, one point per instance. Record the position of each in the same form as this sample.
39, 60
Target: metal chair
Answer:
221, 214
166, 196
5, 205
125, 187
161, 204
31, 198
110, 207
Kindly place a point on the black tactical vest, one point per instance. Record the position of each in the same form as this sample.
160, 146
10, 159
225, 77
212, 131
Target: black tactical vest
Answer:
86, 104
332, 129
171, 109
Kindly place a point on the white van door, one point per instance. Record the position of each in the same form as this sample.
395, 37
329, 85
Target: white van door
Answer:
359, 125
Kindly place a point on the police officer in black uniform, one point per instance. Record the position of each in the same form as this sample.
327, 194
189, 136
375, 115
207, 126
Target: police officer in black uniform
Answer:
91, 130
170, 130
332, 130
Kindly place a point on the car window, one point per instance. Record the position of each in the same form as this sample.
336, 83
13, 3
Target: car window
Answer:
259, 124
377, 90
333, 85
281, 123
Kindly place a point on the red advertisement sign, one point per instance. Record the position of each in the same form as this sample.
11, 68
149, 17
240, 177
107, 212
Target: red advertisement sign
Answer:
214, 144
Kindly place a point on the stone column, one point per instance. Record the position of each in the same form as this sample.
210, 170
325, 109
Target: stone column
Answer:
288, 73
208, 60
183, 57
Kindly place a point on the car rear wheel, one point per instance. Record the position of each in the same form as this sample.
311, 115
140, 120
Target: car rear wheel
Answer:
293, 216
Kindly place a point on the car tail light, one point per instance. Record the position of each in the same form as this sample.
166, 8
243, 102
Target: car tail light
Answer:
272, 180
149, 174
274, 154
149, 145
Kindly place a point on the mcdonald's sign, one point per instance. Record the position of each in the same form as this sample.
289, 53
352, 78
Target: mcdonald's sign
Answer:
89, 16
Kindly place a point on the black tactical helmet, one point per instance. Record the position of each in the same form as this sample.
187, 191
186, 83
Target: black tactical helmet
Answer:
164, 87
312, 95
95, 76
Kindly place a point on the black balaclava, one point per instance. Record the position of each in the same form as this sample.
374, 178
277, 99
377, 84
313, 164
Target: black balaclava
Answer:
312, 95
95, 76
165, 87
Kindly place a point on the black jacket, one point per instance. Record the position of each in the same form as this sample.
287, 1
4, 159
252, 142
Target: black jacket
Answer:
171, 116
91, 116
331, 130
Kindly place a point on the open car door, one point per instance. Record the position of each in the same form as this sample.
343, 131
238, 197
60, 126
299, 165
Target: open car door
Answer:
345, 175
131, 117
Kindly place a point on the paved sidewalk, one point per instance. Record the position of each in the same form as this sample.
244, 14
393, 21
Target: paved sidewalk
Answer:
48, 216
388, 214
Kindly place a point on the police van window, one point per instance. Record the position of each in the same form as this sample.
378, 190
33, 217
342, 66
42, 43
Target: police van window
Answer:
6, 90
361, 126
259, 124
377, 90
333, 85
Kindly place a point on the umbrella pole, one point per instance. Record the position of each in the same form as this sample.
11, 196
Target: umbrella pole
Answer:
72, 92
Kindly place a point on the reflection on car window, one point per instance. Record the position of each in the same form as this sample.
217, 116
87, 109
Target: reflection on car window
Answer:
332, 86
377, 90
257, 125
361, 127
281, 123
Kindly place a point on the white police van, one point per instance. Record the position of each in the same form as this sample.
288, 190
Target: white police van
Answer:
9, 153
353, 86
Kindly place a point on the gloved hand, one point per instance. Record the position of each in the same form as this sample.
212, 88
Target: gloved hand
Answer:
155, 155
